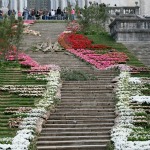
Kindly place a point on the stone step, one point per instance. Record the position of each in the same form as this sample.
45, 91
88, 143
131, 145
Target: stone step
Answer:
83, 129
84, 110
87, 94
71, 142
101, 118
89, 83
90, 98
75, 113
78, 125
85, 89
82, 86
92, 103
100, 92
101, 96
105, 120
65, 137
85, 107
80, 133
73, 147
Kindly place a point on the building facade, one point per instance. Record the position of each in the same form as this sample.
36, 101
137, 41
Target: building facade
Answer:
54, 4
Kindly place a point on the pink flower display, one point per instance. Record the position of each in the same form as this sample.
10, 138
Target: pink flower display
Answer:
100, 61
29, 22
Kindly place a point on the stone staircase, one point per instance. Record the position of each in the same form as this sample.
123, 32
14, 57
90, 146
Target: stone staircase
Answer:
84, 117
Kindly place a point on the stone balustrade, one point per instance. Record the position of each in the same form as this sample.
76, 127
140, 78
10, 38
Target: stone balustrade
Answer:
130, 29
113, 11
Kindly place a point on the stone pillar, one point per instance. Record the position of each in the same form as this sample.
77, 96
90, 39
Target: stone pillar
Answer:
21, 6
25, 4
11, 4
63, 4
15, 5
83, 3
52, 4
80, 3
88, 4
5, 3
137, 12
5, 6
57, 4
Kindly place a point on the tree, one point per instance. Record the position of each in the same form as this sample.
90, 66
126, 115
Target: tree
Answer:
10, 35
94, 14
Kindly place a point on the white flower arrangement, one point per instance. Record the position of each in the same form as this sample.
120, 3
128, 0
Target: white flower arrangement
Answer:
27, 127
127, 91
25, 90
140, 99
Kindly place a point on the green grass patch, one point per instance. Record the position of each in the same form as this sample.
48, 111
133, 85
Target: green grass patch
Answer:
74, 75
11, 74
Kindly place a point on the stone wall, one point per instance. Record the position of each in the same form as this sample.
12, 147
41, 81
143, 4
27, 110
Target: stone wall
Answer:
130, 28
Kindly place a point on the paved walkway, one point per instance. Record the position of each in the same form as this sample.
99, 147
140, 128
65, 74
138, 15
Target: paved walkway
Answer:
47, 30
141, 50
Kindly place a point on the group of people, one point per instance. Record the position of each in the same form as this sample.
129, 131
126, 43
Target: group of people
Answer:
9, 13
49, 15
33, 14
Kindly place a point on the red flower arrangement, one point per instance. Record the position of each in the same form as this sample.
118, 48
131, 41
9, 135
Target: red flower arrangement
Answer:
78, 41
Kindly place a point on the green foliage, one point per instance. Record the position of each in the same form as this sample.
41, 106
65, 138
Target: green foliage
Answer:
94, 14
8, 64
33, 144
10, 34
146, 90
110, 146
74, 75
139, 134
20, 115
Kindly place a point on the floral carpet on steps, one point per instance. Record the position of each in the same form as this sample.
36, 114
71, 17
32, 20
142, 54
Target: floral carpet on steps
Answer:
131, 130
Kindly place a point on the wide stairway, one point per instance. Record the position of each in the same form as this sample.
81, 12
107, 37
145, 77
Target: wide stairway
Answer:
84, 117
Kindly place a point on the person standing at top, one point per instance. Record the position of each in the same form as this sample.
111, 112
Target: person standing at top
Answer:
58, 13
52, 14
26, 14
72, 14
